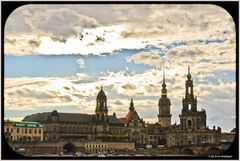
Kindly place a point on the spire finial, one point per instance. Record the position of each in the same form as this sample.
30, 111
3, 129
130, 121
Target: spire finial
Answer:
101, 88
163, 75
131, 108
189, 75
163, 84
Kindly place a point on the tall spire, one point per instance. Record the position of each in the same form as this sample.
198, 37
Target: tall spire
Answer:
163, 85
189, 74
164, 90
131, 108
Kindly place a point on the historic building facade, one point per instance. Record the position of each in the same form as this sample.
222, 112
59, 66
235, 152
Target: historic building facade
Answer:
192, 128
102, 127
85, 127
23, 131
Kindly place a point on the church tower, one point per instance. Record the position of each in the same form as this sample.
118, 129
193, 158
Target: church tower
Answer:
164, 117
189, 102
191, 118
101, 106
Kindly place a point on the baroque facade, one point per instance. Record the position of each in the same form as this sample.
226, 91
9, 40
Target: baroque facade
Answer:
102, 127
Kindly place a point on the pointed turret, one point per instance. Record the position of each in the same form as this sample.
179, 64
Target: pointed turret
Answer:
163, 85
189, 75
131, 108
164, 90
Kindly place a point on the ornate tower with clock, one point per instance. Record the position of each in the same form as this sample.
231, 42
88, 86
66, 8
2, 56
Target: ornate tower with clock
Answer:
164, 117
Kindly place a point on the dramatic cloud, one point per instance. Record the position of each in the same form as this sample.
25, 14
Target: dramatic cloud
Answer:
151, 58
90, 29
174, 36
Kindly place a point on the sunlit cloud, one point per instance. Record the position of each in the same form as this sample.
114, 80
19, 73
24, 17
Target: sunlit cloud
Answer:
85, 31
174, 36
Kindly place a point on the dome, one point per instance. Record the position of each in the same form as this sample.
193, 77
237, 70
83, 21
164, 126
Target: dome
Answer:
54, 113
164, 101
101, 95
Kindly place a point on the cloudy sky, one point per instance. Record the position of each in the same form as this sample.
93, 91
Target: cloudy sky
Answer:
58, 57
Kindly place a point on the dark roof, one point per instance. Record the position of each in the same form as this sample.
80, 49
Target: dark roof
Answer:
38, 117
233, 130
164, 100
114, 120
68, 117
101, 95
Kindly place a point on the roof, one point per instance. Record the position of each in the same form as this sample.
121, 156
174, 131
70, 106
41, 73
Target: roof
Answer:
101, 95
68, 117
164, 100
27, 124
233, 130
128, 117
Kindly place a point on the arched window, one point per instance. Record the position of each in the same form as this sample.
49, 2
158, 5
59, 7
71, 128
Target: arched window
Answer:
189, 124
189, 107
189, 90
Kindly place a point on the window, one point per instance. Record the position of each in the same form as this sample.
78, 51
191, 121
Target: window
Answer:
189, 107
39, 131
189, 124
17, 130
30, 131
7, 129
26, 131
35, 131
189, 90
11, 130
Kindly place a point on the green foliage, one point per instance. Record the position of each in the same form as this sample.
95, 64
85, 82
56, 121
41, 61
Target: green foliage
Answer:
153, 152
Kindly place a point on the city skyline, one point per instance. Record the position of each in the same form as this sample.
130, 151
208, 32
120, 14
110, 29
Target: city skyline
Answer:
61, 61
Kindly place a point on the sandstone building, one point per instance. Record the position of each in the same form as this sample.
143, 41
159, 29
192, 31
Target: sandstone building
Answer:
23, 131
93, 129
